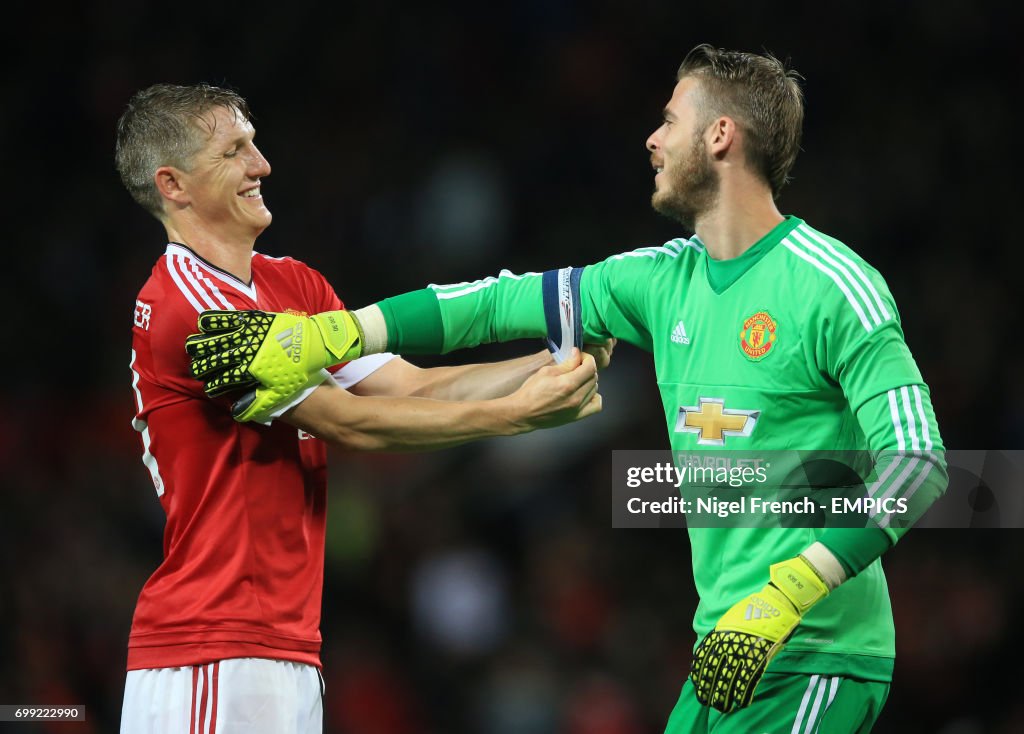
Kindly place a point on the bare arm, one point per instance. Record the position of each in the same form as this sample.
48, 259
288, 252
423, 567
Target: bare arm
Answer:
466, 382
553, 395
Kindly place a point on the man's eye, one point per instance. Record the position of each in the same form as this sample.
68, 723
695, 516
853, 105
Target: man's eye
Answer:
231, 153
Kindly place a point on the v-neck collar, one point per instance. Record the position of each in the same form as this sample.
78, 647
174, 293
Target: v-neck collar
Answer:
723, 273
249, 289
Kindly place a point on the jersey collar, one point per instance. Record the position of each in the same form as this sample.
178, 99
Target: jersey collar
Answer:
249, 289
723, 273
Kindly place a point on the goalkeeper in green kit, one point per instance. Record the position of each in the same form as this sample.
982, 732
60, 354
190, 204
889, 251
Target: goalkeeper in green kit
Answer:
766, 334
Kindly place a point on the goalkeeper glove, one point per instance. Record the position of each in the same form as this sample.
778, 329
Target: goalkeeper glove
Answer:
277, 353
729, 663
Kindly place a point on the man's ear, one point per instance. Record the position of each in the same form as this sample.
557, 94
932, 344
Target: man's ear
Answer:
721, 136
171, 185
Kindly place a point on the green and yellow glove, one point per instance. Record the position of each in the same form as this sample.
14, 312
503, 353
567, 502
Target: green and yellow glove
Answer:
729, 663
279, 354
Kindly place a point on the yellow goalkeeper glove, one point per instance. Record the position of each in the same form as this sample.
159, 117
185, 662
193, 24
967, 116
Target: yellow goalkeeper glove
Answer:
277, 353
729, 663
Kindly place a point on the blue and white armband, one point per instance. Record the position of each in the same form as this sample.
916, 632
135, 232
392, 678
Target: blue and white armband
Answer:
561, 290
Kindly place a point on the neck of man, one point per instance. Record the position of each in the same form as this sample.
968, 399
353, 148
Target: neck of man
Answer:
743, 213
231, 254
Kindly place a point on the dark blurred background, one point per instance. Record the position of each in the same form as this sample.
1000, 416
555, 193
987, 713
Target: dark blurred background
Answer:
483, 589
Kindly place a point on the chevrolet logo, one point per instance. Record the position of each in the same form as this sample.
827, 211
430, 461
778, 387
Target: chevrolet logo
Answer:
712, 421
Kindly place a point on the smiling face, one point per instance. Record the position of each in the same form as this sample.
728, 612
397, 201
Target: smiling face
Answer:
223, 186
685, 183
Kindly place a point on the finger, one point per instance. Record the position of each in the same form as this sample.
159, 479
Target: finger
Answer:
587, 368
571, 361
600, 356
243, 403
229, 381
244, 342
728, 678
205, 345
583, 392
580, 381
602, 352
201, 368
592, 406
215, 322
747, 694
589, 395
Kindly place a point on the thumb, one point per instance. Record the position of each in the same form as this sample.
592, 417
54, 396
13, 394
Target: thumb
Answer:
571, 362
240, 406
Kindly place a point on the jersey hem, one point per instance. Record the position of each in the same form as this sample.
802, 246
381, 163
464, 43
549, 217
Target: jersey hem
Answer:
863, 667
224, 635
201, 653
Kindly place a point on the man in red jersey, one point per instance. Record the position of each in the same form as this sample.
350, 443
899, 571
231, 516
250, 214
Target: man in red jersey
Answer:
226, 635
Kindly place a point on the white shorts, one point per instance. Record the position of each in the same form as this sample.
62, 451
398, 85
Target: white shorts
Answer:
249, 695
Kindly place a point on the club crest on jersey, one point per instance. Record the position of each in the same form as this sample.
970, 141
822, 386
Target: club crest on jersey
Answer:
757, 337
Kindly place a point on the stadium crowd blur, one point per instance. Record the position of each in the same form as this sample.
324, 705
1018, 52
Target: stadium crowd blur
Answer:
483, 589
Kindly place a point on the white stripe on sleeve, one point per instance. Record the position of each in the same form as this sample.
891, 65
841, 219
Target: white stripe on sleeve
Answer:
842, 271
924, 419
835, 279
911, 423
853, 266
897, 424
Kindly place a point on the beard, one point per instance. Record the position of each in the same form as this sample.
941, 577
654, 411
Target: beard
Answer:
692, 190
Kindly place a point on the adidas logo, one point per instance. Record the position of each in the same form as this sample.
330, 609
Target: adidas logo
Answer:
291, 342
679, 334
759, 608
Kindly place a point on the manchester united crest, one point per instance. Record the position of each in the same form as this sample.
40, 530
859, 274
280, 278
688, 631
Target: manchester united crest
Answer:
757, 337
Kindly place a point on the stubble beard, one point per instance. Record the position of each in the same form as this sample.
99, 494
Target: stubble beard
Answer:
693, 189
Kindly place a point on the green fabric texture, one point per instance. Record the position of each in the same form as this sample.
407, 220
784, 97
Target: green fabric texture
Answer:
817, 703
801, 351
414, 323
856, 548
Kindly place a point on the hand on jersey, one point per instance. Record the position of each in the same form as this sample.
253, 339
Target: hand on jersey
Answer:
602, 353
271, 355
558, 394
729, 663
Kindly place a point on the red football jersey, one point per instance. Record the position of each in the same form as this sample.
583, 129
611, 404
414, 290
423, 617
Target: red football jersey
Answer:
242, 574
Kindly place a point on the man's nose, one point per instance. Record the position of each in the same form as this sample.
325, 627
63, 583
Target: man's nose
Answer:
258, 165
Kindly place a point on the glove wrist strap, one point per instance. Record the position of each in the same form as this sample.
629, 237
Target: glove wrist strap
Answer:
343, 338
800, 582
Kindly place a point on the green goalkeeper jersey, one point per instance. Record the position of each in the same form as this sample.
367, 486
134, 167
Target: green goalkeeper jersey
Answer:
795, 345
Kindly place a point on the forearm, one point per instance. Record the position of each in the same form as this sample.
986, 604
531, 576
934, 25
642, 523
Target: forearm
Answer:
854, 549
551, 396
480, 381
916, 480
909, 467
367, 423
911, 480
440, 319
